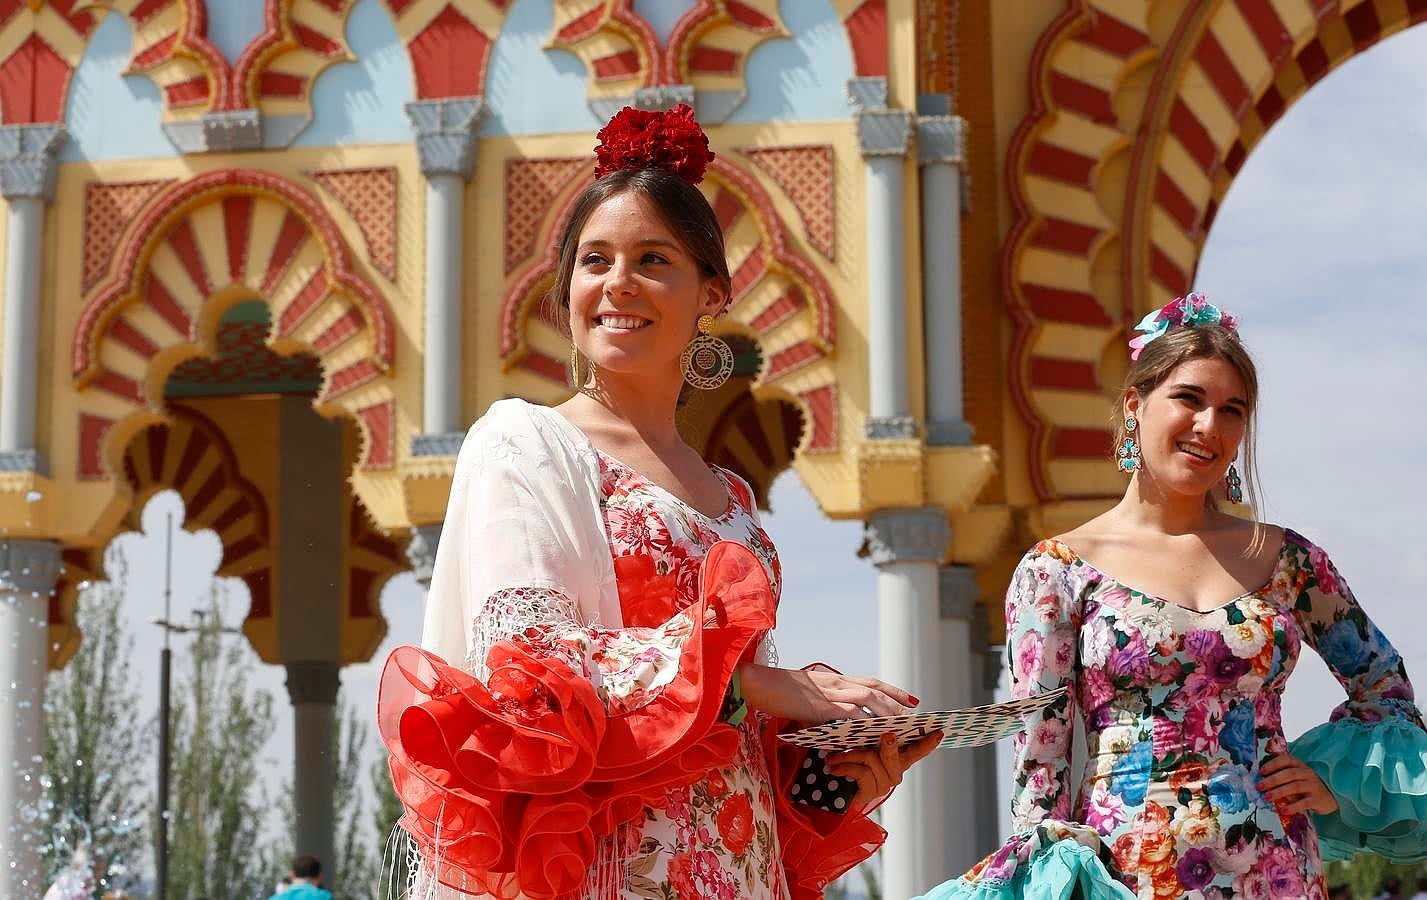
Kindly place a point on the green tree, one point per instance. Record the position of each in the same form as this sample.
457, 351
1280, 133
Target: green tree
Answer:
219, 807
93, 791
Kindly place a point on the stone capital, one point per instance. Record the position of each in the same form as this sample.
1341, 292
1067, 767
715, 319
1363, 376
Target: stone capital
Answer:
867, 92
313, 681
445, 444
29, 460
421, 552
883, 132
957, 591
664, 96
446, 134
907, 535
941, 139
29, 160
890, 428
29, 567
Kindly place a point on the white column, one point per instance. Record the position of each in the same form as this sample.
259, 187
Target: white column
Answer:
312, 688
885, 135
907, 546
960, 680
445, 141
941, 141
986, 662
28, 570
27, 181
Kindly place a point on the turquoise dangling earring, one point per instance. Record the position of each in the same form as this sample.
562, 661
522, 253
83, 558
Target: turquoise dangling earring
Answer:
1234, 485
1129, 450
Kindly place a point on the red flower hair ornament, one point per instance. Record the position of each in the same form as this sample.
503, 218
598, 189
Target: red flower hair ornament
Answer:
643, 139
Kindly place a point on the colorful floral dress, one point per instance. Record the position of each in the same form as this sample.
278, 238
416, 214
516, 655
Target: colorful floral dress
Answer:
1180, 709
563, 759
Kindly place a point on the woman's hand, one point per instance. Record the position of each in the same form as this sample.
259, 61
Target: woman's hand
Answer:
878, 771
816, 696
1293, 787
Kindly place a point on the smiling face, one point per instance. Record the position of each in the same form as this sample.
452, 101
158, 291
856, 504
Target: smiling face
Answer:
1191, 425
636, 294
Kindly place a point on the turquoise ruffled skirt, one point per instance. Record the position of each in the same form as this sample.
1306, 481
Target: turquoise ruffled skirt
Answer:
1056, 861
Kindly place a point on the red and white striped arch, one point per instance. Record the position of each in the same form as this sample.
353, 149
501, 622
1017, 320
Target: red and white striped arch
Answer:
197, 248
1134, 137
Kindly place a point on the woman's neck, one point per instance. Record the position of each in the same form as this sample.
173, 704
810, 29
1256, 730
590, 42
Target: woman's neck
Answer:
1146, 505
645, 403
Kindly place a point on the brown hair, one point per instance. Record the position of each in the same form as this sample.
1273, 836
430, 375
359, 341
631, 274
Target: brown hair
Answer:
683, 207
1162, 356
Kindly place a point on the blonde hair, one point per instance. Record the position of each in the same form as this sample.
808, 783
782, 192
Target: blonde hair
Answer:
1179, 345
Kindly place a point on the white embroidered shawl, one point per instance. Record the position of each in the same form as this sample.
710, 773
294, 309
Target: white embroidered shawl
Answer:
525, 514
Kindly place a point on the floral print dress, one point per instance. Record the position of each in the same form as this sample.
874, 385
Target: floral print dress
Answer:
1180, 709
717, 838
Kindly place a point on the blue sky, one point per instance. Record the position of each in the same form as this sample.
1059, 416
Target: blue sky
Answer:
1318, 249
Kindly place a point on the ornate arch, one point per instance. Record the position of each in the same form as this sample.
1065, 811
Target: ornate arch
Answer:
194, 251
1140, 119
707, 50
780, 299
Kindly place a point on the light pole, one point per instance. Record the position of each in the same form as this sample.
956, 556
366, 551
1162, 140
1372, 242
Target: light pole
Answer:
165, 664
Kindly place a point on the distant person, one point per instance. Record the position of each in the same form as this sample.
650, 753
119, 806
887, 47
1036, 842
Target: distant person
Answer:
1421, 888
1391, 889
306, 881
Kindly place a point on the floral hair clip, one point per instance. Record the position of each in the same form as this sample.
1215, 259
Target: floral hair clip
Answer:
643, 139
1190, 310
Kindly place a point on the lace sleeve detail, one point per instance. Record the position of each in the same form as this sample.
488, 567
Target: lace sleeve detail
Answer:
542, 618
628, 667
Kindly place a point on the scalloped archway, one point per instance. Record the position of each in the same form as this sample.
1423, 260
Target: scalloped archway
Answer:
1141, 117
199, 248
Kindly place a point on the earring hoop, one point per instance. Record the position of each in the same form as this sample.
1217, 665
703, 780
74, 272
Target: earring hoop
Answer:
1129, 455
707, 362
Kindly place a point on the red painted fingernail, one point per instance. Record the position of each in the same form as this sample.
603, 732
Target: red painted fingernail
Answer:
915, 701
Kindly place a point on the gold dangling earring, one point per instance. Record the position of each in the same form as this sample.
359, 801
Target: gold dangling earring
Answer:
576, 381
707, 361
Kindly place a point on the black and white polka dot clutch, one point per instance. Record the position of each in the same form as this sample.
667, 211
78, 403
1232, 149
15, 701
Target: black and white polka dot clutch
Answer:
815, 786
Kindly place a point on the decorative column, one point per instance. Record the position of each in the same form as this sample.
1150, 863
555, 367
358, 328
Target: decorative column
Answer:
446, 143
907, 545
27, 181
312, 688
986, 661
885, 135
28, 571
313, 565
960, 680
941, 151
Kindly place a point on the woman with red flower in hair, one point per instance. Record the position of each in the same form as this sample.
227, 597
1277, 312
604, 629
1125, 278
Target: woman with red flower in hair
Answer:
594, 710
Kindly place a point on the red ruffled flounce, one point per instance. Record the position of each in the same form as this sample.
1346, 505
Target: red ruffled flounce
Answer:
507, 784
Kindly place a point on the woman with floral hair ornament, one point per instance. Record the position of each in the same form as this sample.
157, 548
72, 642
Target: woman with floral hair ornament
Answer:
593, 713
1175, 626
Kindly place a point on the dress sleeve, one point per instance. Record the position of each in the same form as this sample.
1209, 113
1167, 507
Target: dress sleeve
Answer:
1042, 625
1372, 753
1047, 855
